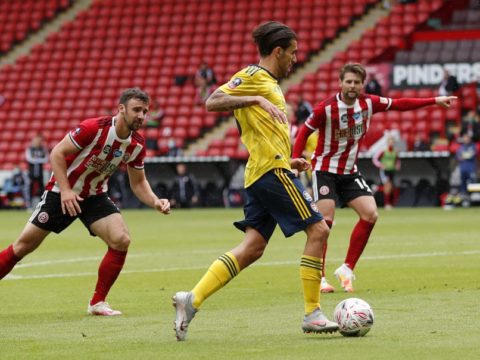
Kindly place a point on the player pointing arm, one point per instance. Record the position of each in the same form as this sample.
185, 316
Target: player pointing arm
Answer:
342, 121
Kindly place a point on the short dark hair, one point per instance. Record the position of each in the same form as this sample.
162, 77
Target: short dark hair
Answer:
355, 68
271, 34
133, 93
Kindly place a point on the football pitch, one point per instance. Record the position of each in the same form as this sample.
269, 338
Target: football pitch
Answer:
420, 273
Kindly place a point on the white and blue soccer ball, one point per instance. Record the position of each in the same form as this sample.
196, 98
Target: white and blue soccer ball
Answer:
354, 317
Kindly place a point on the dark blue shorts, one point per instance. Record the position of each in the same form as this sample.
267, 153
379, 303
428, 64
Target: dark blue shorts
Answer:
278, 197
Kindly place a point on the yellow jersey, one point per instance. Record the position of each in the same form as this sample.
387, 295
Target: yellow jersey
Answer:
267, 140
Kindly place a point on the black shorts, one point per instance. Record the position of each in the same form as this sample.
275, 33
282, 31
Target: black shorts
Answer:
341, 188
48, 213
387, 176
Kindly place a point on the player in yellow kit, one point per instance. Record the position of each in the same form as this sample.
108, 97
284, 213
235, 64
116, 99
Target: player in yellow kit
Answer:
274, 194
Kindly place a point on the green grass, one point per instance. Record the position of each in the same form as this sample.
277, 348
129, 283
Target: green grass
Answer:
420, 273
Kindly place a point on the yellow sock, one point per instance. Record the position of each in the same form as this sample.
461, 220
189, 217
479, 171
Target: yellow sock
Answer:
311, 274
222, 270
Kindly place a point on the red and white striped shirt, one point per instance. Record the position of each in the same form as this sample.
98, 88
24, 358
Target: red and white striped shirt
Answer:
101, 153
341, 127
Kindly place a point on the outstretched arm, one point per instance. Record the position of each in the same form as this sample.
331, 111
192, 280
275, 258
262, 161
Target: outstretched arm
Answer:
220, 101
404, 104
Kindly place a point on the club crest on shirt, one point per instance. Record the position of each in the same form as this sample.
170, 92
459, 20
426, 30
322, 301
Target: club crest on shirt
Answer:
234, 83
107, 149
324, 190
117, 153
307, 196
344, 119
43, 217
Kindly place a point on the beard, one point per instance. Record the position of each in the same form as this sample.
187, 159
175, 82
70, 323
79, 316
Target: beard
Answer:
348, 95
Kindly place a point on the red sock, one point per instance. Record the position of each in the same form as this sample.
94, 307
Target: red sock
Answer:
108, 272
330, 224
8, 260
358, 241
387, 199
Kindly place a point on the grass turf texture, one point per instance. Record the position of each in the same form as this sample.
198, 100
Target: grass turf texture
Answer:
419, 273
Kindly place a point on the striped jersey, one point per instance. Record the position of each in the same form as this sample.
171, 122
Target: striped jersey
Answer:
101, 153
340, 128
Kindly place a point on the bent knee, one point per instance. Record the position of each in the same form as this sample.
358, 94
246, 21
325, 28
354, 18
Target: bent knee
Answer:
318, 231
120, 242
370, 217
256, 252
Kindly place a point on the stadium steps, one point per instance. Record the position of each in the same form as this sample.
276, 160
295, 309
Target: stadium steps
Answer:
216, 133
40, 36
341, 43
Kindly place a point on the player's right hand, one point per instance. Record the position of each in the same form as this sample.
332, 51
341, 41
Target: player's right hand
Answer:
69, 201
445, 101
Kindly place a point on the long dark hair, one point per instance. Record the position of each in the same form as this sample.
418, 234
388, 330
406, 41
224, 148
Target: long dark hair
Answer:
271, 34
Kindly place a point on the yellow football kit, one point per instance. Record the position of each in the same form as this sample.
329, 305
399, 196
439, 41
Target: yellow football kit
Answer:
267, 140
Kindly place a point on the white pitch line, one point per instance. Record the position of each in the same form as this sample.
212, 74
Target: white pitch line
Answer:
268, 263
74, 260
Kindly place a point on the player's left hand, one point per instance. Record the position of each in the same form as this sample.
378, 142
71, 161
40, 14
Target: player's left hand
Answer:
163, 205
300, 164
445, 101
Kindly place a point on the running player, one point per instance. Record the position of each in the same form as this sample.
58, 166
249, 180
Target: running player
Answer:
341, 122
274, 194
82, 163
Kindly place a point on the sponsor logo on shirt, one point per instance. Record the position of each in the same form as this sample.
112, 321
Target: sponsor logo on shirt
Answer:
349, 133
117, 153
234, 83
75, 132
101, 166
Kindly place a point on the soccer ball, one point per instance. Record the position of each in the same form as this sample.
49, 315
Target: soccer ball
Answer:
354, 317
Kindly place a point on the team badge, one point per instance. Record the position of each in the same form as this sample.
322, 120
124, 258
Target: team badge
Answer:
344, 118
117, 153
234, 83
324, 190
307, 196
107, 149
42, 217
